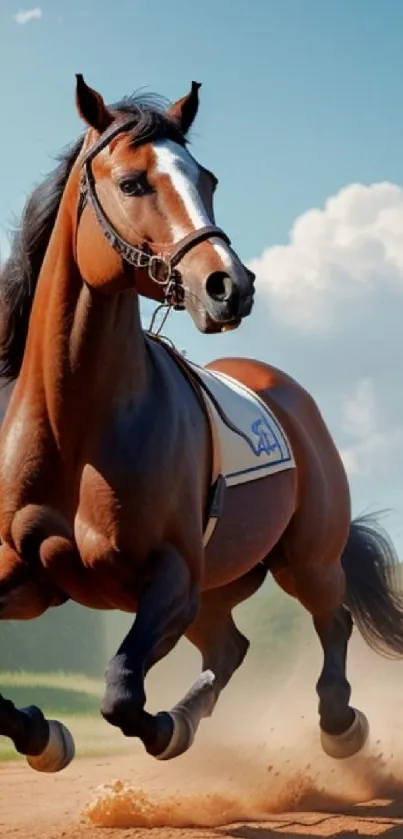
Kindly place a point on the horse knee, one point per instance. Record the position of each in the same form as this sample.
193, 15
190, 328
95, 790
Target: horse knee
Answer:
23, 603
22, 596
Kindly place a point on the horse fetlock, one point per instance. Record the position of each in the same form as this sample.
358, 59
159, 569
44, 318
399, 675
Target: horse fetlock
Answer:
34, 734
200, 700
335, 714
116, 711
348, 743
122, 705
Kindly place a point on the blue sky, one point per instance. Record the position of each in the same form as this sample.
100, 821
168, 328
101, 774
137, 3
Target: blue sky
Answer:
299, 96
300, 99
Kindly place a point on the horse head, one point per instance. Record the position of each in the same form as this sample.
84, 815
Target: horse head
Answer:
145, 216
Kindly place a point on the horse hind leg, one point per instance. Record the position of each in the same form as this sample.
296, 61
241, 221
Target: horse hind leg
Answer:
376, 608
321, 589
344, 730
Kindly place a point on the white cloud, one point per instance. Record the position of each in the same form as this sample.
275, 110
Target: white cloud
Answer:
329, 312
26, 15
373, 455
374, 449
359, 412
336, 256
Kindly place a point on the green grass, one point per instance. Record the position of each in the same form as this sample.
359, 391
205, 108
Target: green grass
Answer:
74, 700
55, 693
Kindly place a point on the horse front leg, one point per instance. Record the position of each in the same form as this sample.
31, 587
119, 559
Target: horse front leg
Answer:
168, 605
223, 648
47, 744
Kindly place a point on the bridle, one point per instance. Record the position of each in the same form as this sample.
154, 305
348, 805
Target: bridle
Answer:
162, 269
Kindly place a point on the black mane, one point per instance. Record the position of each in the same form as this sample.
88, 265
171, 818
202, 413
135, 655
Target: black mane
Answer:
19, 274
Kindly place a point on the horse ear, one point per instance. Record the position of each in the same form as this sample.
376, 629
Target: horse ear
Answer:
184, 110
91, 107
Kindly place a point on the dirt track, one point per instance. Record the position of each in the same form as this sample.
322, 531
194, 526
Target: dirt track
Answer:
255, 771
34, 807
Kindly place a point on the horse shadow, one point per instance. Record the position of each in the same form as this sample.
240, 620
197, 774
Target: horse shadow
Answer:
390, 832
368, 820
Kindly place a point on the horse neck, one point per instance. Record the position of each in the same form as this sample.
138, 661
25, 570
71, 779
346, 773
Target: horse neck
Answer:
85, 349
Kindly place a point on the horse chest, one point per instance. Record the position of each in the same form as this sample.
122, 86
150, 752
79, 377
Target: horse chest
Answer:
119, 523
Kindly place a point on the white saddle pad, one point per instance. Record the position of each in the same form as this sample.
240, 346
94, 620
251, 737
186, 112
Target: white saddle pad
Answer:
268, 450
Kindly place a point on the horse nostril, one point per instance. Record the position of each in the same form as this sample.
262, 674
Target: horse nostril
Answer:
219, 286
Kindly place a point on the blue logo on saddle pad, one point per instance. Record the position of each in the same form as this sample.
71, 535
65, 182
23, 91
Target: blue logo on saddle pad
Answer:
266, 441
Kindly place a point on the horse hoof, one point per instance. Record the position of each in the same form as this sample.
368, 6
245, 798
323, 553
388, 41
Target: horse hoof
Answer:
182, 738
59, 751
349, 743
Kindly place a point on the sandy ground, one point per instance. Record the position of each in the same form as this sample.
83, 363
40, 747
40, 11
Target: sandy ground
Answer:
255, 771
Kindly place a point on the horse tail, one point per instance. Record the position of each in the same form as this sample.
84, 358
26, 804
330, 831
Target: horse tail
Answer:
371, 565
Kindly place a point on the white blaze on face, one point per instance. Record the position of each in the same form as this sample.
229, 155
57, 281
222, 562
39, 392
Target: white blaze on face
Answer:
175, 161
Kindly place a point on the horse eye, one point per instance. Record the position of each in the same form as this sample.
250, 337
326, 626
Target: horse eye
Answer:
136, 186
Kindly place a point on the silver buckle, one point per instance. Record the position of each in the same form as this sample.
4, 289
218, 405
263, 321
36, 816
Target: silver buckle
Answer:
155, 263
142, 258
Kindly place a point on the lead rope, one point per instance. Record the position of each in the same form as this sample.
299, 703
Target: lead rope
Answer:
157, 332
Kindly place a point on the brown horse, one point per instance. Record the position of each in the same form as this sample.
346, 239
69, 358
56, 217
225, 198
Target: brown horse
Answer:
108, 475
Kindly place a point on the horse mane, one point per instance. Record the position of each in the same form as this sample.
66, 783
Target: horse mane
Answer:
30, 239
